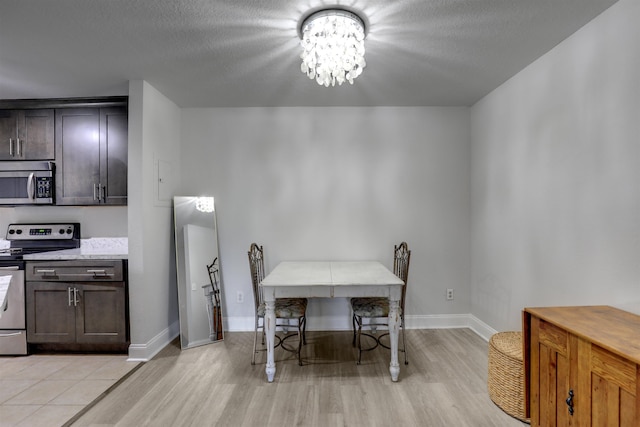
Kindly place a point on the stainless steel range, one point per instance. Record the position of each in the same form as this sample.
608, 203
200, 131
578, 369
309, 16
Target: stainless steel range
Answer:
27, 239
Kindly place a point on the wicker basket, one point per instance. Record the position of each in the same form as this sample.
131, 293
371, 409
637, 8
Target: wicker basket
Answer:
506, 373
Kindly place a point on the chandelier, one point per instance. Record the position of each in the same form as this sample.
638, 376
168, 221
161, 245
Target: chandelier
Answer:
204, 204
332, 46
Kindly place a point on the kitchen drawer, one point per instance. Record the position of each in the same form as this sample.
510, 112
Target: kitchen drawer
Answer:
75, 271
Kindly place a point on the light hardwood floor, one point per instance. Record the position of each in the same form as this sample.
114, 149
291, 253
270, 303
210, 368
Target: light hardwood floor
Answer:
216, 385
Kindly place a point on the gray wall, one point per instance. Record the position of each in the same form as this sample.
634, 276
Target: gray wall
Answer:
154, 171
556, 177
336, 183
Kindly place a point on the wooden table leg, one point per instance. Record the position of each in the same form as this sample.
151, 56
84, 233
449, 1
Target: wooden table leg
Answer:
394, 323
270, 327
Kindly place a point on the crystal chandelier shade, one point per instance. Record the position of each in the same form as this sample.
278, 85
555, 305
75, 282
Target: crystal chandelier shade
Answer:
332, 47
204, 204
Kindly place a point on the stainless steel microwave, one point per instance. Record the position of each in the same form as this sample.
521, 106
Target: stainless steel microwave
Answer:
27, 183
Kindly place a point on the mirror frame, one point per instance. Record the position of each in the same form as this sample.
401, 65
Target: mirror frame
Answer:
197, 271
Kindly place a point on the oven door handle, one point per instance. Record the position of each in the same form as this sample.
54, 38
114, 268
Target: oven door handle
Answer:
31, 188
11, 268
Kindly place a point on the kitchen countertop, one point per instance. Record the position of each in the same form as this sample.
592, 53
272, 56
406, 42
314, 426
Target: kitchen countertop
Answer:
93, 248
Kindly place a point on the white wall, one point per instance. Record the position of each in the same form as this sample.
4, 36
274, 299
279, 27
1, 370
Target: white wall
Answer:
154, 171
556, 177
336, 183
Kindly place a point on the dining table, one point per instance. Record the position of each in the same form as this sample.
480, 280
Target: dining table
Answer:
331, 279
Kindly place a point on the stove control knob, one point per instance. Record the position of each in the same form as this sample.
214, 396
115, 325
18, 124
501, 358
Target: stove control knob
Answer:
61, 231
12, 231
19, 231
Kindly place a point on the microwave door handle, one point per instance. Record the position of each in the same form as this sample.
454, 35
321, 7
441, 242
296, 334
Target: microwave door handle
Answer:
31, 190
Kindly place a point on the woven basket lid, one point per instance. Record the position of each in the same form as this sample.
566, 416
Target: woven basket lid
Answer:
508, 343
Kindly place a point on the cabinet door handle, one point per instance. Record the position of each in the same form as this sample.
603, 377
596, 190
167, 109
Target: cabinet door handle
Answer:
19, 143
51, 272
69, 296
11, 147
97, 272
75, 297
101, 193
570, 401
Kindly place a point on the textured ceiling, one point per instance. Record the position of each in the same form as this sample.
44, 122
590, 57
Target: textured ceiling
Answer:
235, 53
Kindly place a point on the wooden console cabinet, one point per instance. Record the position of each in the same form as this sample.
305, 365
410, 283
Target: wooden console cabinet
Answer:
582, 366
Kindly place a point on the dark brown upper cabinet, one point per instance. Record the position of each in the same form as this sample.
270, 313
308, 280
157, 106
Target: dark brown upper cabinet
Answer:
91, 156
27, 134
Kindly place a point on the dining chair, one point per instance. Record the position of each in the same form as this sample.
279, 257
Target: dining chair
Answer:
287, 310
376, 309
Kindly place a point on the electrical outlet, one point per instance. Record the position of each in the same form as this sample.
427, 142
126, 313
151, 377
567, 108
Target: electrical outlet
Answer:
240, 297
449, 294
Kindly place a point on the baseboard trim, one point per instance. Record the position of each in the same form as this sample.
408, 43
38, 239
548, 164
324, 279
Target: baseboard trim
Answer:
145, 352
342, 323
479, 327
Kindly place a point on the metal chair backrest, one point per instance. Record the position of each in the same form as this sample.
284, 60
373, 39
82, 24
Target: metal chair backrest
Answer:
256, 264
401, 258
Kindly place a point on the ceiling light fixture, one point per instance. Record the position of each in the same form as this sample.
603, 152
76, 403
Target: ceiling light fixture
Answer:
204, 204
332, 46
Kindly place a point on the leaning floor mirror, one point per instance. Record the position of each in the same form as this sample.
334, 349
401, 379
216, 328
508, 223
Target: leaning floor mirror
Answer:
198, 271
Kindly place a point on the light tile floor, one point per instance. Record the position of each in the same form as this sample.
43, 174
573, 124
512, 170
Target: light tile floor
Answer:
49, 390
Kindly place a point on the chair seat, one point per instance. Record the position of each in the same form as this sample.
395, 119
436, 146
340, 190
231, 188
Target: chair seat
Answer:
371, 306
292, 308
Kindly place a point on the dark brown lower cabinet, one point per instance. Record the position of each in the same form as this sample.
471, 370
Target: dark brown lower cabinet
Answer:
76, 313
582, 366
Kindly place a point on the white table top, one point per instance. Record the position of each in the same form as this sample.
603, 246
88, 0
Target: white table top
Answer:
330, 273
5, 282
